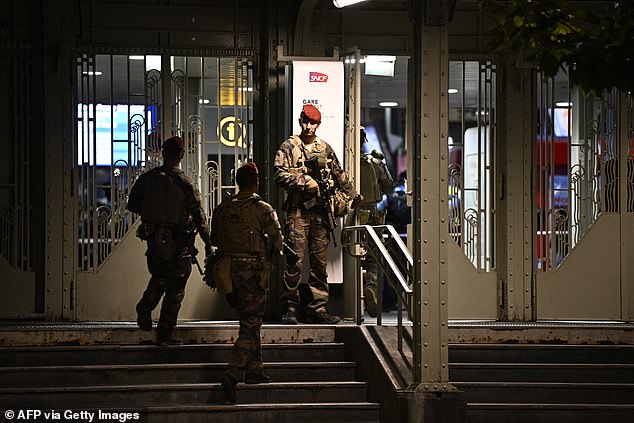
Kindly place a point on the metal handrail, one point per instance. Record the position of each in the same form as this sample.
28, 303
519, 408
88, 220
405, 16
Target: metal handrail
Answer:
373, 239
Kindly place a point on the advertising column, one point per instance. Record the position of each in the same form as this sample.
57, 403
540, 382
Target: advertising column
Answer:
320, 83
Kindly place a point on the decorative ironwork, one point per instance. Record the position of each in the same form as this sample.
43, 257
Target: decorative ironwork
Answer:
455, 202
577, 173
470, 235
16, 191
153, 102
213, 178
629, 207
471, 156
7, 233
105, 173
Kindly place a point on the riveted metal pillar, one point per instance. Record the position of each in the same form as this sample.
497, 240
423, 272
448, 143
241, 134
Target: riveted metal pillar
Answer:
434, 399
518, 135
430, 213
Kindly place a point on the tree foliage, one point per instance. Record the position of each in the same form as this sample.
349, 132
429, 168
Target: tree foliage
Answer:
596, 46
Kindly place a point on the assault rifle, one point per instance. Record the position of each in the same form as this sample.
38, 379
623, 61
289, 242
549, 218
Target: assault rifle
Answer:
325, 196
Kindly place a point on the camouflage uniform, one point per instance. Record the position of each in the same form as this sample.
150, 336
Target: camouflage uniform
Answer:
376, 180
245, 227
305, 226
170, 209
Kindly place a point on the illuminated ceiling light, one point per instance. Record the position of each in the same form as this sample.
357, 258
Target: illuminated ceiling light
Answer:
344, 3
362, 60
203, 101
91, 73
246, 89
388, 104
378, 65
563, 104
452, 91
136, 57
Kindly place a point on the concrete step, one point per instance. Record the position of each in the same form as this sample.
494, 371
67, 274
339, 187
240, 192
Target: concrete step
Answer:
125, 374
182, 394
153, 354
540, 353
549, 413
332, 412
357, 412
127, 333
537, 372
549, 393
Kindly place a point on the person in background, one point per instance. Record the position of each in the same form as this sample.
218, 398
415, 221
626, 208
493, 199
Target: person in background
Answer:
398, 214
376, 181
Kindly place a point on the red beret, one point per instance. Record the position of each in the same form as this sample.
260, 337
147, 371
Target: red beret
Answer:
173, 143
311, 112
247, 169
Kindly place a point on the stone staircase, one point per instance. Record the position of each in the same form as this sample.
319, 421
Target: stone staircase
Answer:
545, 383
311, 381
319, 374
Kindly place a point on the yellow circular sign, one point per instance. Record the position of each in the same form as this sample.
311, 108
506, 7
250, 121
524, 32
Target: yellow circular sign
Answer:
230, 131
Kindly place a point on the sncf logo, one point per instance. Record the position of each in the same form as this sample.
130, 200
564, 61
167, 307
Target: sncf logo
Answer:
317, 77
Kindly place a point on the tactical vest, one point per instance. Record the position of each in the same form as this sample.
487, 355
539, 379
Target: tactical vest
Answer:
239, 228
370, 174
297, 198
163, 198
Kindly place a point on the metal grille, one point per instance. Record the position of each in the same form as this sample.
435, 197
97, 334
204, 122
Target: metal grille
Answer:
472, 126
16, 208
630, 155
111, 128
577, 166
119, 116
212, 110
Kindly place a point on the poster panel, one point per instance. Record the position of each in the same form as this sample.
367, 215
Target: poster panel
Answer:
321, 84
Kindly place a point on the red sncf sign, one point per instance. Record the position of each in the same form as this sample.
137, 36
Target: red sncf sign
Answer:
317, 77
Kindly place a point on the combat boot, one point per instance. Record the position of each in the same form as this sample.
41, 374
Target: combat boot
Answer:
371, 306
322, 318
171, 341
229, 383
143, 318
255, 378
289, 318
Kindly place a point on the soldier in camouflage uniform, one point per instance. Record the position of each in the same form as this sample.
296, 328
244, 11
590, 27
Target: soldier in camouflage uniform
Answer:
376, 180
245, 228
306, 225
170, 209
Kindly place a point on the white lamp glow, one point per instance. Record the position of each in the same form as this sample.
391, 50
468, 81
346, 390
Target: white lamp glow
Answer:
344, 3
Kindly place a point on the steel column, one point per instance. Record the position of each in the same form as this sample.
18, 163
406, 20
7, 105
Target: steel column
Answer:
430, 213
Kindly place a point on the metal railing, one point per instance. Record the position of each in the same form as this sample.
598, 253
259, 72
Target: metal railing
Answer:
387, 248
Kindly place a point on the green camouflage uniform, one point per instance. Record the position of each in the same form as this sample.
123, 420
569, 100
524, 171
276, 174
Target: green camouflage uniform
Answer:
305, 226
376, 180
245, 228
170, 209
